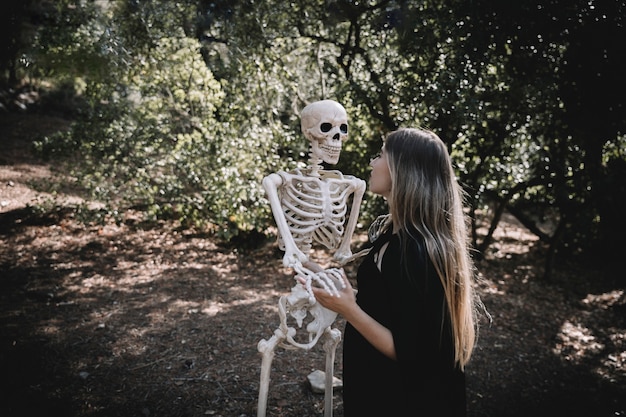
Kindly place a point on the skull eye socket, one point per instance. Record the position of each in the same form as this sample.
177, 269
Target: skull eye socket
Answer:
325, 127
343, 128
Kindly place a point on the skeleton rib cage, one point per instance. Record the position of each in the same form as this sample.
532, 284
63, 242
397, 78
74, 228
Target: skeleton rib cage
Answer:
315, 208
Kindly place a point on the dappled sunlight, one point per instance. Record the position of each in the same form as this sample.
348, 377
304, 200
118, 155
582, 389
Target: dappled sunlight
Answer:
488, 286
604, 300
509, 239
121, 307
605, 346
52, 327
614, 365
212, 308
96, 281
575, 342
129, 345
512, 259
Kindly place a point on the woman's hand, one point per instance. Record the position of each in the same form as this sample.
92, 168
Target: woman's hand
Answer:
343, 304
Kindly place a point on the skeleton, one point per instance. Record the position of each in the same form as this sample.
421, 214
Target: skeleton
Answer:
310, 206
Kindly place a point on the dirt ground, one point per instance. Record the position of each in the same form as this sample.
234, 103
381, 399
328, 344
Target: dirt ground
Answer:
118, 320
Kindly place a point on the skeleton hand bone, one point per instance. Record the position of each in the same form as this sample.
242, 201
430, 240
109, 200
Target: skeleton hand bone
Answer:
326, 278
343, 256
294, 258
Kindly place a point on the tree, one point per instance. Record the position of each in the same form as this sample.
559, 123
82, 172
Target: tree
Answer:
563, 57
515, 90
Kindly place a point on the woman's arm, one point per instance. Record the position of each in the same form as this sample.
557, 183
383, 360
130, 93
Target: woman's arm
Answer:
378, 335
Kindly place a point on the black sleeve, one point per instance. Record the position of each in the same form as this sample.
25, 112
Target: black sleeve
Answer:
422, 335
419, 324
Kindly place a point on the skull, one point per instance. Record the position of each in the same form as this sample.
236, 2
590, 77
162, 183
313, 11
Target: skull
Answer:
325, 125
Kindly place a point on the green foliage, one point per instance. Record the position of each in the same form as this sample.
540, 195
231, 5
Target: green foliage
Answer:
150, 139
190, 104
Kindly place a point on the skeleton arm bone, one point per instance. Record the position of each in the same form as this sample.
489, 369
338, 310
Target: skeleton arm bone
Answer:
343, 254
293, 256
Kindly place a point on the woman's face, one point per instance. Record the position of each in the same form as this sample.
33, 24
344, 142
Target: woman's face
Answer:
380, 177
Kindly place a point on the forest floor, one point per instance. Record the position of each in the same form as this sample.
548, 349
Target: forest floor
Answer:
123, 320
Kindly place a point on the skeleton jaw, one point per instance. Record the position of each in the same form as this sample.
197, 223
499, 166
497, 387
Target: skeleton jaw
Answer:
330, 154
325, 152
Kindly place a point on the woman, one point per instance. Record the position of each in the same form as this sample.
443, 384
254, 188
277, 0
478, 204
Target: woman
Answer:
411, 328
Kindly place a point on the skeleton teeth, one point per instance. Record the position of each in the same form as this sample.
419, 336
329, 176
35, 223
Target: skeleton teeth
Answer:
331, 149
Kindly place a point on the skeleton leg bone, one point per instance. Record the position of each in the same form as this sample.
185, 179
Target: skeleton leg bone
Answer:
297, 305
333, 336
266, 348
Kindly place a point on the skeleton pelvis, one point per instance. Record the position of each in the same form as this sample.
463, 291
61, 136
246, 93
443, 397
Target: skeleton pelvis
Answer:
300, 307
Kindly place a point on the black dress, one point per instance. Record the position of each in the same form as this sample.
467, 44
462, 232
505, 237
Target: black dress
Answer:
423, 381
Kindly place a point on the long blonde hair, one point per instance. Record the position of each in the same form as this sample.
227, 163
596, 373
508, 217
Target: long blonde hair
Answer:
425, 196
